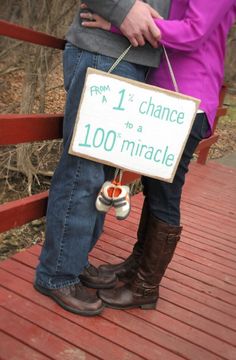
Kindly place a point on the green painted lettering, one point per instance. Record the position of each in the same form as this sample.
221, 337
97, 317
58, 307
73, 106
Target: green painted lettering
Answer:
140, 107
155, 157
98, 137
85, 143
149, 153
164, 115
110, 140
141, 150
165, 154
157, 112
128, 144
170, 158
180, 117
119, 107
171, 115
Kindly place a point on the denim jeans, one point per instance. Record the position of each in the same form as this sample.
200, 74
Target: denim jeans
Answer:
73, 224
164, 198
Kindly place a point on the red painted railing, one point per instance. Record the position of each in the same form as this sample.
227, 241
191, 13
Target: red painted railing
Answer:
15, 129
35, 37
22, 128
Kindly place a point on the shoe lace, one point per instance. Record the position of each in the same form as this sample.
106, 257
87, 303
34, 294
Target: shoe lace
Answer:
92, 270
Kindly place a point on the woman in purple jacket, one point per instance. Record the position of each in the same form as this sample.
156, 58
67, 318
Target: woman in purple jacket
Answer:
195, 39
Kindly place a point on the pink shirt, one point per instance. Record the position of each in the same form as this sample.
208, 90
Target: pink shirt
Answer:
195, 39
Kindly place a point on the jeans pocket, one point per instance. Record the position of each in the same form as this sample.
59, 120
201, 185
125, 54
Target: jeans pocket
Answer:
71, 60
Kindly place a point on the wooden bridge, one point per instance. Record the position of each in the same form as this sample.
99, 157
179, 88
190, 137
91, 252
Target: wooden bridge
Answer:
196, 314
195, 317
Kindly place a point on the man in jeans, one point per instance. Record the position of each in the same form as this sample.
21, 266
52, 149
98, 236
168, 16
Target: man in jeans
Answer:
73, 223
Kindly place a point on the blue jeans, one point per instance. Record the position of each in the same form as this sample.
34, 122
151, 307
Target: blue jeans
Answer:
73, 224
164, 198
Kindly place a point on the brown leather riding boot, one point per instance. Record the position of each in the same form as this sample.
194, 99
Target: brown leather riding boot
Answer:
160, 243
126, 270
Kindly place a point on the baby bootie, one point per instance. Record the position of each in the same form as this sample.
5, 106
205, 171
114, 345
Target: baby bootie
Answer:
105, 197
121, 201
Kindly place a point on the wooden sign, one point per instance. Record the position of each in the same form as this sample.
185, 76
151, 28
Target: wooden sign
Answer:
131, 125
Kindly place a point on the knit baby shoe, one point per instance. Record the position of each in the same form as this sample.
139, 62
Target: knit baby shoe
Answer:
121, 201
105, 197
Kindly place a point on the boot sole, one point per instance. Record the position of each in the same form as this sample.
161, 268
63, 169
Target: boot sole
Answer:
99, 286
142, 306
47, 292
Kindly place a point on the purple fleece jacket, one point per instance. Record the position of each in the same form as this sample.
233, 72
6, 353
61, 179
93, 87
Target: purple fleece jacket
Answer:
195, 39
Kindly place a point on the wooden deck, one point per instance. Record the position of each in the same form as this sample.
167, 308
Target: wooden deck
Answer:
196, 314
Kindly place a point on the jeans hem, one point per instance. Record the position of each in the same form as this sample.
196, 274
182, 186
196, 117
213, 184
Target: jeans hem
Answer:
50, 286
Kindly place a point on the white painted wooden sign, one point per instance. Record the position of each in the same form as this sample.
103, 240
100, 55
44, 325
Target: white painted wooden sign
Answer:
131, 125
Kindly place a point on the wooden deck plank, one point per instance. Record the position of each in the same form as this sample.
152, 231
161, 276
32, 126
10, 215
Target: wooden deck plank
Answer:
36, 308
203, 231
128, 241
167, 308
210, 307
194, 338
10, 348
192, 288
190, 239
38, 339
119, 325
199, 248
220, 231
196, 313
165, 322
188, 268
51, 318
175, 281
106, 252
190, 259
107, 244
193, 258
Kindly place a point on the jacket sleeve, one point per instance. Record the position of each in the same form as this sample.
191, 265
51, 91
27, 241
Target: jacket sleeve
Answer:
201, 18
114, 11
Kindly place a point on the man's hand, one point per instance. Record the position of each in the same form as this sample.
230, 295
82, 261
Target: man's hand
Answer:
138, 26
92, 20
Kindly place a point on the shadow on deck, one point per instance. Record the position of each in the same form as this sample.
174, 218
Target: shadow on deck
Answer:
196, 313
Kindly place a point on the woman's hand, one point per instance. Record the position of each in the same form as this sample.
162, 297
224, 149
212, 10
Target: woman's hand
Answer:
92, 20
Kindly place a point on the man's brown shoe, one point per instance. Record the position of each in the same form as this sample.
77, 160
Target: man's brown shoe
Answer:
97, 279
74, 298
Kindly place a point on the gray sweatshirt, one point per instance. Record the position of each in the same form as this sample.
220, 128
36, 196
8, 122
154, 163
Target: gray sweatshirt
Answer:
109, 44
